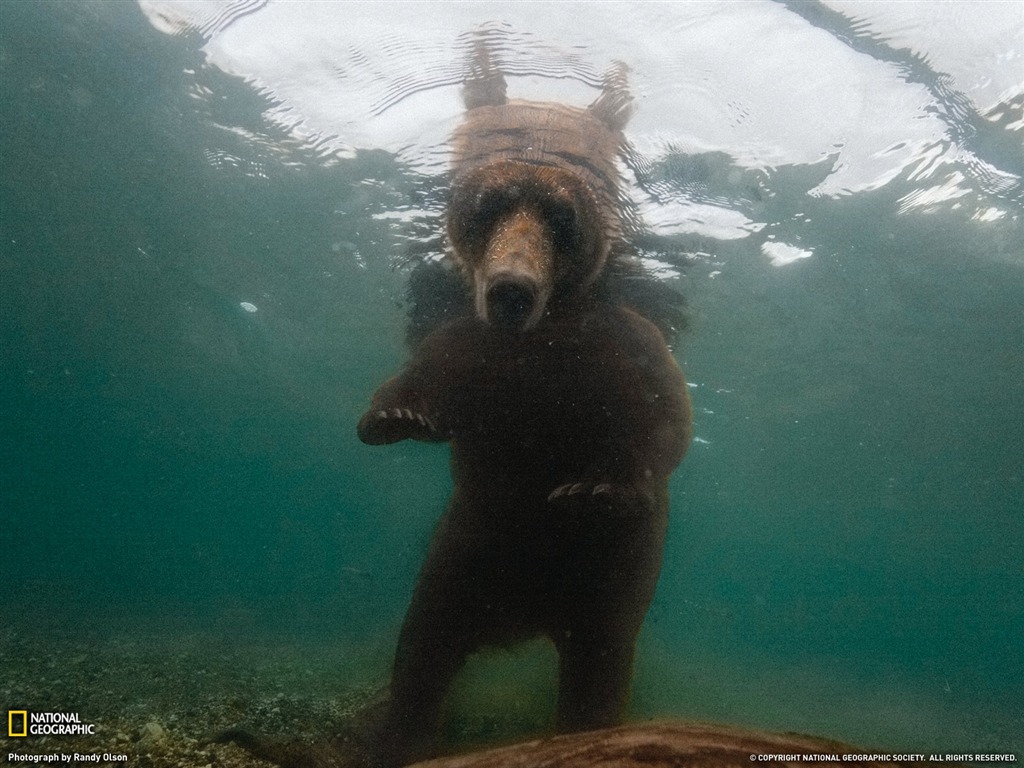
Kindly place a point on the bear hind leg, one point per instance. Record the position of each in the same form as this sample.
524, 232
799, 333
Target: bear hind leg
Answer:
442, 627
593, 681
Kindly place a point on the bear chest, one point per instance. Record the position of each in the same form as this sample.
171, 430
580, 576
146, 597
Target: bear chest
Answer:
547, 401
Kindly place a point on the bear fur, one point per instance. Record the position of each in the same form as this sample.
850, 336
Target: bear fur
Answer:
565, 411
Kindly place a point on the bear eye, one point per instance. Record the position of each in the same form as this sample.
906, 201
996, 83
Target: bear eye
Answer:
474, 212
491, 204
564, 222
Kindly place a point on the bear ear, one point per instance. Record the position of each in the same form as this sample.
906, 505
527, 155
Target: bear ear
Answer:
484, 86
615, 104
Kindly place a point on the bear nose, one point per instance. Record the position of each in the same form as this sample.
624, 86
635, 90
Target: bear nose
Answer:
510, 301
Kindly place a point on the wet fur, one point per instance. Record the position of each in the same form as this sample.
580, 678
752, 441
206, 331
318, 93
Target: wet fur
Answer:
564, 429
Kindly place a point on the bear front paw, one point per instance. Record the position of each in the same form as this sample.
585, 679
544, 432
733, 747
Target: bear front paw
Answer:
389, 425
573, 489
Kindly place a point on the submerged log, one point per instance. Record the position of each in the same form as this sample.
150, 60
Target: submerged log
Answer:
669, 745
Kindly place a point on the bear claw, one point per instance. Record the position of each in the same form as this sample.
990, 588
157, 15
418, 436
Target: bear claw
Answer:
406, 413
572, 489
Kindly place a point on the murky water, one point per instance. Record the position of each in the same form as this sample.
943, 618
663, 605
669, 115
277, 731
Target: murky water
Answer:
208, 212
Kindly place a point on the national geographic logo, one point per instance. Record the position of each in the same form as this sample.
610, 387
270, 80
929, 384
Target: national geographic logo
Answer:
17, 722
21, 722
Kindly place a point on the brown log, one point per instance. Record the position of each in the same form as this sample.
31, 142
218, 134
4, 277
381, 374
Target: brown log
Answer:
669, 745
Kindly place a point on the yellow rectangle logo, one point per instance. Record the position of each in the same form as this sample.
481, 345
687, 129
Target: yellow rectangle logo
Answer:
13, 716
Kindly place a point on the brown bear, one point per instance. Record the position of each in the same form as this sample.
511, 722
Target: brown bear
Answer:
565, 411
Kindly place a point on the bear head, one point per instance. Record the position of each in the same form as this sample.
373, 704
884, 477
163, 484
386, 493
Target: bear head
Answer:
528, 238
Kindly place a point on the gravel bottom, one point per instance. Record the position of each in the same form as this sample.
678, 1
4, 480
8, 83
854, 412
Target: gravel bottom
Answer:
157, 700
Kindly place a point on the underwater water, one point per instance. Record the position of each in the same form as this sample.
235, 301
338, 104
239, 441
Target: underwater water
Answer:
208, 214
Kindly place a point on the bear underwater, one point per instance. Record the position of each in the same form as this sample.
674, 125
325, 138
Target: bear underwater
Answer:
565, 412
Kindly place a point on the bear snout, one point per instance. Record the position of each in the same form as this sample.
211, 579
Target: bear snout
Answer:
515, 275
512, 301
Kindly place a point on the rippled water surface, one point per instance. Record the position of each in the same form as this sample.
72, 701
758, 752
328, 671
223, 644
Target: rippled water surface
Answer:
208, 213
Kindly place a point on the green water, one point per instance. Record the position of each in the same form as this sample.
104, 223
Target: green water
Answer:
847, 539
